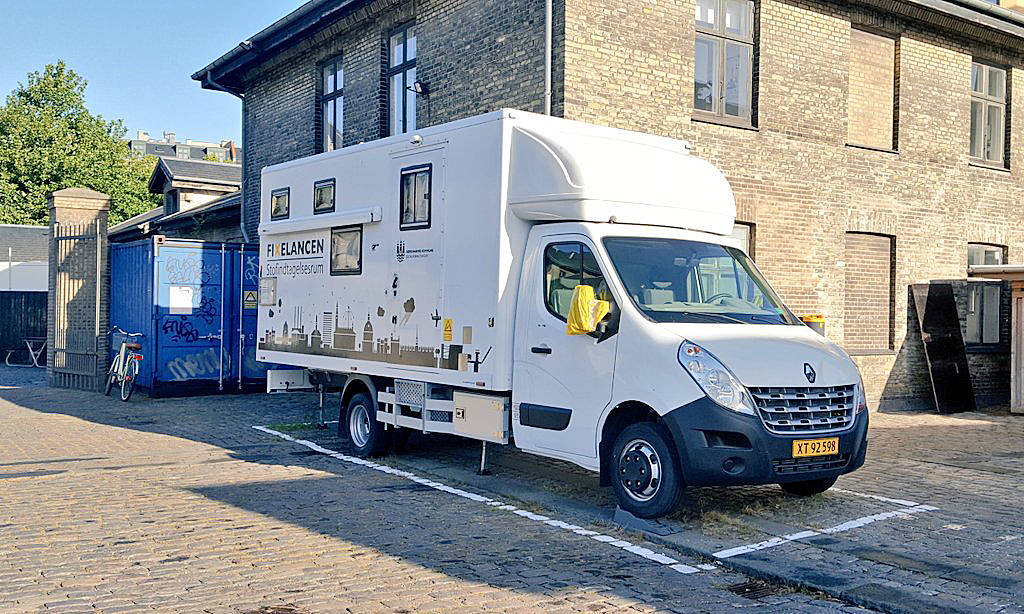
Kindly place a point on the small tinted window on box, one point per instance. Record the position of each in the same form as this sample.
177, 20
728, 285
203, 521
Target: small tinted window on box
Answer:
347, 250
415, 198
323, 196
279, 204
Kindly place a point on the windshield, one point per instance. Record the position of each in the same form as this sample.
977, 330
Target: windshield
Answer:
672, 280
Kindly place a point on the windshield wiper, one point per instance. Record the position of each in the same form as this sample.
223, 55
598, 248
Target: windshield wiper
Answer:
714, 316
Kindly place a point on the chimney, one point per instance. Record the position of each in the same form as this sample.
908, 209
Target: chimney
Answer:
169, 137
142, 135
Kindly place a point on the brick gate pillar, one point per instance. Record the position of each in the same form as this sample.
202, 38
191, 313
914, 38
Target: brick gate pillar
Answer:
78, 309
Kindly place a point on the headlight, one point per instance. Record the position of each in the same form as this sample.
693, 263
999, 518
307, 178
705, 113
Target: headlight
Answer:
715, 379
860, 401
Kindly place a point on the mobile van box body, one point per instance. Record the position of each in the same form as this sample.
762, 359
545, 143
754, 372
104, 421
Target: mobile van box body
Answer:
433, 299
434, 279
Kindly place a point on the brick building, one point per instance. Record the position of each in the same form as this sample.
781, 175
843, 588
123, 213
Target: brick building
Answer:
871, 144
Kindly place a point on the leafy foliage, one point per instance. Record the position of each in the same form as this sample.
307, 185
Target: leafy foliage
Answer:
49, 141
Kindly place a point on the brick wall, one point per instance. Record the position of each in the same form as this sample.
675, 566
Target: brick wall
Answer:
630, 65
867, 313
872, 79
475, 56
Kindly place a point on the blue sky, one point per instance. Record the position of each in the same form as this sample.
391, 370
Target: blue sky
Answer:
138, 56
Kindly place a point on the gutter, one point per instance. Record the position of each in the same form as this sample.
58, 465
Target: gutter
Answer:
977, 12
245, 156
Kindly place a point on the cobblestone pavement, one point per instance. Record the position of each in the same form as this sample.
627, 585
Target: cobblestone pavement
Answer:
177, 505
966, 555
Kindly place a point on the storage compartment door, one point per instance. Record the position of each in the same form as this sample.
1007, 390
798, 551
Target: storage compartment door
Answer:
190, 318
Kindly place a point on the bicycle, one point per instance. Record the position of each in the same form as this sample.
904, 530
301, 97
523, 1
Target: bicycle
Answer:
124, 370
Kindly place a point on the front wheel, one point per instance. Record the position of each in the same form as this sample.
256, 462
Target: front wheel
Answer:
367, 435
112, 376
645, 476
808, 487
131, 372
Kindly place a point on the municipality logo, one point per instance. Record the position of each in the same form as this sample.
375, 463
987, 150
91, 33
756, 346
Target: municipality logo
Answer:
400, 251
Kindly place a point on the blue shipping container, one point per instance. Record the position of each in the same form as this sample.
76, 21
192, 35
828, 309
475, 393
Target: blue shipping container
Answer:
195, 303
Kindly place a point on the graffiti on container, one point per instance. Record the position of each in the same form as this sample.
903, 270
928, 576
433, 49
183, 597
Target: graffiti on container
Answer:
186, 270
252, 269
207, 310
198, 364
180, 330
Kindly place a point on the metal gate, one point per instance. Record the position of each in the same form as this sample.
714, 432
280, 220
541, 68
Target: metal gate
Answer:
77, 340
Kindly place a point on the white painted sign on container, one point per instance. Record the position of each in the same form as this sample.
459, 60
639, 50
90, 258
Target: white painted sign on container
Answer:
179, 299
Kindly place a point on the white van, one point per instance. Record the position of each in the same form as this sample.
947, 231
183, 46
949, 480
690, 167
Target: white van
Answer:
429, 278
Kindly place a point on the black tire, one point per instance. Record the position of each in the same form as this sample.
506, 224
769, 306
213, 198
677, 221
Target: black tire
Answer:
644, 473
360, 426
809, 487
111, 377
131, 373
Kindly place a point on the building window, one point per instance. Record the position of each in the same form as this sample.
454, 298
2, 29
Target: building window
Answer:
414, 197
182, 151
983, 311
724, 60
323, 196
985, 253
744, 231
347, 250
279, 203
988, 113
332, 104
984, 300
872, 93
401, 75
869, 310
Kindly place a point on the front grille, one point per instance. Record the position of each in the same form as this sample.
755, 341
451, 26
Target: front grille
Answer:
805, 410
814, 463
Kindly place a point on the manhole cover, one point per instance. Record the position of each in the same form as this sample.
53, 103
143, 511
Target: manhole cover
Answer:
753, 589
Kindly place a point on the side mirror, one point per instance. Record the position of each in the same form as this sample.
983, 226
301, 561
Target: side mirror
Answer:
585, 311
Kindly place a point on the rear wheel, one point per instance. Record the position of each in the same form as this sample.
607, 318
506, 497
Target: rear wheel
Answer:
645, 475
808, 487
367, 435
112, 376
131, 371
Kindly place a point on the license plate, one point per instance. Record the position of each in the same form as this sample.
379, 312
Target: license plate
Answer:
816, 447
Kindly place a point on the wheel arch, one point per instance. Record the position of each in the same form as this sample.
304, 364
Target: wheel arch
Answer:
617, 419
354, 384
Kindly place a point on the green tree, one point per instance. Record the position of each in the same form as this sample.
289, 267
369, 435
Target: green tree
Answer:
50, 141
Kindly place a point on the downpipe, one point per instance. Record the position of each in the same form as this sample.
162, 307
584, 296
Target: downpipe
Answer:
548, 10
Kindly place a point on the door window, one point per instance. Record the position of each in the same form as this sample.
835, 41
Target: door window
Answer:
567, 265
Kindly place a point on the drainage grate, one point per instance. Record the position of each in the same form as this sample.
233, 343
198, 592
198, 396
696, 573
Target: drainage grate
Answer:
754, 589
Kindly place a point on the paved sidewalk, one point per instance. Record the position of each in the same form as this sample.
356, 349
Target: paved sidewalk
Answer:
177, 505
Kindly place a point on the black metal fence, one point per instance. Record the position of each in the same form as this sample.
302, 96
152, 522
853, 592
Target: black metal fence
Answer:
22, 314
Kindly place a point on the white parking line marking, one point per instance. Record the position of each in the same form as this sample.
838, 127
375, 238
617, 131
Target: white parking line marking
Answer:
839, 528
902, 502
645, 553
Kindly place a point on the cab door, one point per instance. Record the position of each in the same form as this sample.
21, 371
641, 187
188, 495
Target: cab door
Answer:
561, 383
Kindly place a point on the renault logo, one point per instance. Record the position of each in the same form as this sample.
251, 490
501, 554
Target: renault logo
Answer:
809, 373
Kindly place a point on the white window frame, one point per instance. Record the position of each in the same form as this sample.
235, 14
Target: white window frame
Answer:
988, 103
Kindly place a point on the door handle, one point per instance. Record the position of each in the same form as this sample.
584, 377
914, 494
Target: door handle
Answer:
540, 349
